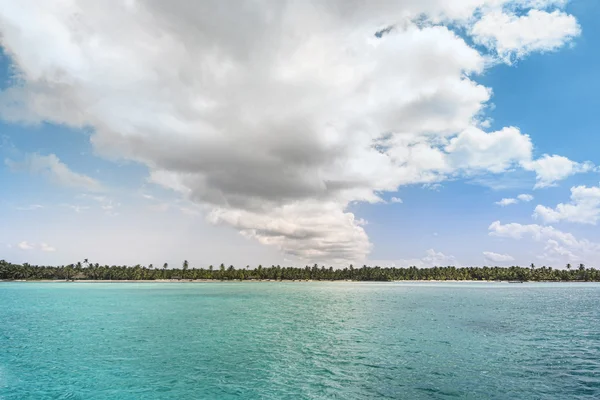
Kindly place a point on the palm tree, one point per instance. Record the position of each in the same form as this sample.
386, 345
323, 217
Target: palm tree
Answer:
376, 273
221, 271
582, 271
68, 270
92, 269
185, 267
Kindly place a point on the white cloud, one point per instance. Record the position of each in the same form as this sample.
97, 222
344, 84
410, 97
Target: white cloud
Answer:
559, 246
24, 245
513, 36
46, 247
584, 207
274, 116
538, 232
496, 257
506, 202
57, 171
439, 259
510, 180
31, 207
77, 208
551, 169
431, 259
306, 229
432, 186
494, 152
108, 205
396, 200
525, 197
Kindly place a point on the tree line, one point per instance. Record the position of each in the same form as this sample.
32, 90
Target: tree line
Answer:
93, 271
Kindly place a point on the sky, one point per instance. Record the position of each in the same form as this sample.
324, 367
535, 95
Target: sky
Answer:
391, 133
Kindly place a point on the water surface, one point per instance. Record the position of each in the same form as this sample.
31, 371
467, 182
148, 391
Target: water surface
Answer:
269, 340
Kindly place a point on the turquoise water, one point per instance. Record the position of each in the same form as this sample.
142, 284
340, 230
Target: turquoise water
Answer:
299, 341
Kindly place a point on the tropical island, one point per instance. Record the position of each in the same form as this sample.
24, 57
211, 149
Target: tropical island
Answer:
93, 271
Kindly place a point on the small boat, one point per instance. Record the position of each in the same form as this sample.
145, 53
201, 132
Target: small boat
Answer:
515, 281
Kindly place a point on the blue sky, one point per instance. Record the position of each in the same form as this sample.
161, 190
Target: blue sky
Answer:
148, 154
550, 96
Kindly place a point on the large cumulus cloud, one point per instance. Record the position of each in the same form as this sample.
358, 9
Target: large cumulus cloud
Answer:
274, 115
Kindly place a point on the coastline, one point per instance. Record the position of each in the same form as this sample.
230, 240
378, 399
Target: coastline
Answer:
268, 280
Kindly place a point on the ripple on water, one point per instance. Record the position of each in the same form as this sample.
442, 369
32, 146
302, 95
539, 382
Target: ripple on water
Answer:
313, 341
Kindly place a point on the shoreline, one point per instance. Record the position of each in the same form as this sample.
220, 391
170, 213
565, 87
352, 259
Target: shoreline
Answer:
268, 280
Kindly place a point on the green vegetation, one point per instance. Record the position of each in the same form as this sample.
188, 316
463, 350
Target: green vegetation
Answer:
90, 271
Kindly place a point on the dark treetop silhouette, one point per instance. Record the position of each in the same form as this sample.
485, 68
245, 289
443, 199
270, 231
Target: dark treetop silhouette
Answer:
90, 271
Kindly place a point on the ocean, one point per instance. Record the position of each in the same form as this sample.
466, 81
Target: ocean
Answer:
304, 340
